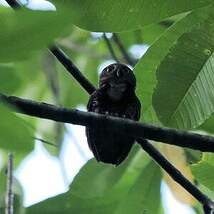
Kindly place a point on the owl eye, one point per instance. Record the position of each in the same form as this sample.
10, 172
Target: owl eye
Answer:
108, 70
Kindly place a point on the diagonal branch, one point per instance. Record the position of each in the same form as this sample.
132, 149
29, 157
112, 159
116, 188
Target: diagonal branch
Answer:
110, 48
13, 4
166, 135
175, 174
72, 69
126, 56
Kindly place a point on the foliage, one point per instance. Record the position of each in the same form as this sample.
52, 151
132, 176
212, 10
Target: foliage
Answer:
175, 83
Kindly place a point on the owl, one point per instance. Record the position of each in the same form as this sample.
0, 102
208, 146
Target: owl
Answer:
115, 97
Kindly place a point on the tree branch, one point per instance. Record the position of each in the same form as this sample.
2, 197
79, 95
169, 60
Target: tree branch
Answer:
175, 173
72, 69
9, 193
166, 135
123, 50
110, 48
13, 4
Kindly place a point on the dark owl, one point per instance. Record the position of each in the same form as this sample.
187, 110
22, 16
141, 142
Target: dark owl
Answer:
116, 97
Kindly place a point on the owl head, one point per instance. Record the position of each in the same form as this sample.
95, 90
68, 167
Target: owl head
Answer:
117, 73
118, 79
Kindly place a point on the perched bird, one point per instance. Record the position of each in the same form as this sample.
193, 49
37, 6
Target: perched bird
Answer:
116, 97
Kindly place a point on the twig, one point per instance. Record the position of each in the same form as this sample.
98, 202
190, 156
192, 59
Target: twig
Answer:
123, 50
166, 135
72, 69
175, 173
13, 4
45, 141
110, 48
9, 193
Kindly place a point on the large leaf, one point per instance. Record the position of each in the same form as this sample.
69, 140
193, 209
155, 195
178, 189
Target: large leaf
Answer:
124, 15
146, 68
203, 171
144, 195
100, 188
15, 134
184, 93
25, 31
9, 79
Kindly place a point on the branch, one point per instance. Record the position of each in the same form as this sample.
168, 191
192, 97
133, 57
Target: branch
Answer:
72, 69
109, 46
123, 50
45, 141
176, 174
13, 4
166, 135
9, 193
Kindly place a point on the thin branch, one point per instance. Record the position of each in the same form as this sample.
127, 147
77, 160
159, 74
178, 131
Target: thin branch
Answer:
45, 141
175, 173
72, 69
166, 135
13, 4
9, 193
110, 48
126, 56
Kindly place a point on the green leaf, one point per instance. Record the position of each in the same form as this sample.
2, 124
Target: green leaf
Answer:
208, 125
101, 188
9, 79
26, 31
144, 195
203, 171
146, 68
15, 134
183, 97
124, 15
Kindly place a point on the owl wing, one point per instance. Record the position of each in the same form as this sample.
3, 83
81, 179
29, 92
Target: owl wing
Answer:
93, 106
133, 110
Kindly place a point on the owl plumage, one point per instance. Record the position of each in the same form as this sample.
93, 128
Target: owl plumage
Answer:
116, 97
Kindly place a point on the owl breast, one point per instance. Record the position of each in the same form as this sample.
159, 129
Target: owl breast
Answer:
109, 145
115, 97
